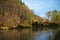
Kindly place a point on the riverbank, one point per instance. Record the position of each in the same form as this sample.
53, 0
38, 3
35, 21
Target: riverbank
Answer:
35, 26
40, 26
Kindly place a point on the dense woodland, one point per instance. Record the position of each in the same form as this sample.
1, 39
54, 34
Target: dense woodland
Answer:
54, 16
14, 13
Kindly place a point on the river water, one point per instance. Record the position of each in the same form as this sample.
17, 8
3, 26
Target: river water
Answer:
26, 34
43, 35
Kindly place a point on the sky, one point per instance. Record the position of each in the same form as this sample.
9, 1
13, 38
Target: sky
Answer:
41, 7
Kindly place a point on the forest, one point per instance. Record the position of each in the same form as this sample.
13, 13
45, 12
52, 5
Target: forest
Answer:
15, 14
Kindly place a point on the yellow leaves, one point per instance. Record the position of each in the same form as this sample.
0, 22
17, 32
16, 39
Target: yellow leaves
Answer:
6, 14
14, 13
36, 19
10, 19
28, 11
4, 28
45, 20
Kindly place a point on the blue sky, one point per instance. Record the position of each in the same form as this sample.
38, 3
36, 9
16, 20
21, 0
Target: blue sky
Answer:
40, 7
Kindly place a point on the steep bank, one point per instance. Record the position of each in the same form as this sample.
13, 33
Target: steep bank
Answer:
13, 13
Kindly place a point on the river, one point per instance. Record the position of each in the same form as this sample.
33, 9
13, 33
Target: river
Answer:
26, 34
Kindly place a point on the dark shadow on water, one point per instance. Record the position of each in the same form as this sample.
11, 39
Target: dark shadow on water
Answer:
37, 26
57, 36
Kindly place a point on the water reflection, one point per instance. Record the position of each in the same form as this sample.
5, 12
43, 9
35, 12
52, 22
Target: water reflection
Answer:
42, 35
24, 34
57, 36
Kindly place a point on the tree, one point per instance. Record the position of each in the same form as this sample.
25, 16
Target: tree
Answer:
19, 1
54, 16
59, 17
48, 14
2, 1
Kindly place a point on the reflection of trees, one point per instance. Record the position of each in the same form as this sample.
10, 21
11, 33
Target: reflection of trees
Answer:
57, 36
24, 34
1, 35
